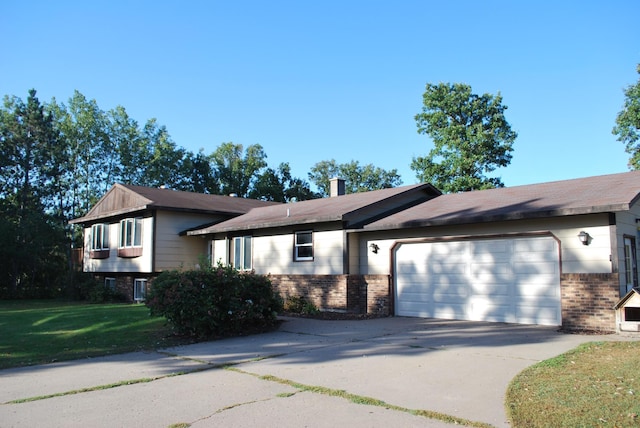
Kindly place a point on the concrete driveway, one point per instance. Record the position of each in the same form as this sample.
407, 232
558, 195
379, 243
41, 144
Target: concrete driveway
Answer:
291, 378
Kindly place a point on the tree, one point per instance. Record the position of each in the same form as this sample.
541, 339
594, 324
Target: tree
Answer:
32, 241
471, 138
279, 186
235, 171
358, 178
628, 123
164, 165
84, 131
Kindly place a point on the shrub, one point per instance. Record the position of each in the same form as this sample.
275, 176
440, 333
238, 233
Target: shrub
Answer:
214, 302
299, 305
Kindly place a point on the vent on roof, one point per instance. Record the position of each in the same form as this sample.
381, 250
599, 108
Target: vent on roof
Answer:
233, 195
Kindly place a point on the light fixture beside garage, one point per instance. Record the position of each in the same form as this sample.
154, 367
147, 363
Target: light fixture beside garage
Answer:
374, 247
584, 237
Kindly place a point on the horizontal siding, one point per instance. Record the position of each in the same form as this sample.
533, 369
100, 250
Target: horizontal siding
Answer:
113, 263
179, 252
274, 254
576, 257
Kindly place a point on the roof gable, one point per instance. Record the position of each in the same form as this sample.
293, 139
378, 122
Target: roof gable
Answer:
607, 193
124, 198
351, 209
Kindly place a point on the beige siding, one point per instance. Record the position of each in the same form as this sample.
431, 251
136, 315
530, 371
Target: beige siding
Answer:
274, 254
576, 258
141, 264
174, 251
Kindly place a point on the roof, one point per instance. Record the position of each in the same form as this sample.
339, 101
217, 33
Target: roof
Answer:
125, 198
632, 293
606, 193
346, 208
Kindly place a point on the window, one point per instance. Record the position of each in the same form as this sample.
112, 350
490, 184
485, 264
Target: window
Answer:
110, 283
139, 289
99, 241
100, 237
130, 232
303, 246
130, 244
630, 267
242, 252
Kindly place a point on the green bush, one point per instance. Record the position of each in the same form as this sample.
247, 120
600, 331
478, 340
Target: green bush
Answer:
299, 305
214, 302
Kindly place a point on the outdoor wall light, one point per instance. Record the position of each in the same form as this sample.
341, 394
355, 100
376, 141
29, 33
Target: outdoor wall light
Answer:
584, 237
374, 247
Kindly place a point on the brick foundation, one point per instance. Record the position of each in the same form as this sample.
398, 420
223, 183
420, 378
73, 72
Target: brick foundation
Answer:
124, 283
588, 301
350, 293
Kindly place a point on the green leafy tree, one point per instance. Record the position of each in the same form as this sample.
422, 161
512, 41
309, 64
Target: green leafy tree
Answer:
471, 138
198, 173
628, 123
131, 148
278, 185
358, 178
89, 172
32, 242
164, 165
235, 169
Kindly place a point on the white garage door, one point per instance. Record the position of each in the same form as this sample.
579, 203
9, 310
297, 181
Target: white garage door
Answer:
514, 280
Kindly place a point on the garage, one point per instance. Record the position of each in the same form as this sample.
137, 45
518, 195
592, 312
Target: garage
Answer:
514, 279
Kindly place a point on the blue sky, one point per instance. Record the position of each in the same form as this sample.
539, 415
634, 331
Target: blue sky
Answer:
343, 80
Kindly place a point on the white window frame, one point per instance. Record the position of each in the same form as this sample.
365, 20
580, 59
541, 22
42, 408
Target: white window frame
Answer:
242, 252
139, 289
299, 244
130, 233
110, 283
99, 237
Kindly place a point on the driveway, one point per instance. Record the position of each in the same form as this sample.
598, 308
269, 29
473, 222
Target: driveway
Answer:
293, 377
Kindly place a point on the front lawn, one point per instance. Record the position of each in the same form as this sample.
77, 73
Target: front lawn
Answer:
594, 385
39, 332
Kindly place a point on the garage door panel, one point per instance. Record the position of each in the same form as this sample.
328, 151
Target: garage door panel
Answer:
491, 250
535, 267
491, 289
538, 314
507, 280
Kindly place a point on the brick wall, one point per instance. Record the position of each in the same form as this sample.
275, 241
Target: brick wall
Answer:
350, 293
373, 293
124, 283
588, 301
324, 291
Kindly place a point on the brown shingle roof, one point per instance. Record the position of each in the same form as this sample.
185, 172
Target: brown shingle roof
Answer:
126, 198
346, 208
606, 193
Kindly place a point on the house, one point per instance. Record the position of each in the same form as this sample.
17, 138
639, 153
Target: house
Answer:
558, 253
134, 232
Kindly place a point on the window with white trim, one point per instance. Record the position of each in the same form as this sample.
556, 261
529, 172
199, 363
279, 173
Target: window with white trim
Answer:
99, 237
110, 283
242, 252
139, 289
130, 233
303, 246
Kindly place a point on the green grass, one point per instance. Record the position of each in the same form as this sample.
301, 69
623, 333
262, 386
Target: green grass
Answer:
594, 385
39, 332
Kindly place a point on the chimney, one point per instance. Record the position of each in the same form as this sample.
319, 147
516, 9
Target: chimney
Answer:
336, 187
